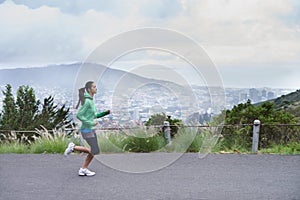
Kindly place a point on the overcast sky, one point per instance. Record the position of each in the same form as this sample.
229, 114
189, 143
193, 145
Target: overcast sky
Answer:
254, 43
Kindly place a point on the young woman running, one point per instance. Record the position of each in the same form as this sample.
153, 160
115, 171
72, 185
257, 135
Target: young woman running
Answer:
87, 114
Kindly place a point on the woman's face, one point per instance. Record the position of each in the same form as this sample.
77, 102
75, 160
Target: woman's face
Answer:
93, 89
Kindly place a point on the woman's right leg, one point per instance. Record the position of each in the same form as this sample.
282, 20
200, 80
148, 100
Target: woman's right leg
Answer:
87, 161
89, 157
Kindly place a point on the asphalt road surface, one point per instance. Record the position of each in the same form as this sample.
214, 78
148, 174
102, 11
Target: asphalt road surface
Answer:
216, 176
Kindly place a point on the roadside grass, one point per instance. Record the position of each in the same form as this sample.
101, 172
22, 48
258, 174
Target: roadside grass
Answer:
289, 149
44, 142
14, 147
140, 140
223, 147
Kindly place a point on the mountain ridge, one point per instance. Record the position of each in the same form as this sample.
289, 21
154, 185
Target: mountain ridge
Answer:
65, 75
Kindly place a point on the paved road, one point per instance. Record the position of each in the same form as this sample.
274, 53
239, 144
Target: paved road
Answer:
228, 176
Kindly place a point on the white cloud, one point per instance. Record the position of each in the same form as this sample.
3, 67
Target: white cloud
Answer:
46, 35
37, 35
235, 33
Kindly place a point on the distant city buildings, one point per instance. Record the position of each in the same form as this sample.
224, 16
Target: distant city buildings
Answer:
271, 95
254, 95
243, 97
136, 109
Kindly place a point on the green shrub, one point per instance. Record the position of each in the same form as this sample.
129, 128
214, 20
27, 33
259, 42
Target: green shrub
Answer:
194, 140
158, 120
110, 142
136, 140
241, 136
182, 140
143, 141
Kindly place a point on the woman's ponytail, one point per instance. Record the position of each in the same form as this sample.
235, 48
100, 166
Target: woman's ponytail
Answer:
81, 98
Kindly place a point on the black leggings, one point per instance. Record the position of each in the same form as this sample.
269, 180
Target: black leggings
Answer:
91, 139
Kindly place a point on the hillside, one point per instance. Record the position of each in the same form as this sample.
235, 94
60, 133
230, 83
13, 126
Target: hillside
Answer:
289, 103
64, 76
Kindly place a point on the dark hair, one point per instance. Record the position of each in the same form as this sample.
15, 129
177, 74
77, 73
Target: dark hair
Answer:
81, 91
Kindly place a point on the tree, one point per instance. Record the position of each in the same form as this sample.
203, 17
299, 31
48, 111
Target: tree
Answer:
27, 108
24, 114
8, 114
51, 116
156, 119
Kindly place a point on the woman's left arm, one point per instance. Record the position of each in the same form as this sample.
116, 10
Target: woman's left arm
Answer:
102, 114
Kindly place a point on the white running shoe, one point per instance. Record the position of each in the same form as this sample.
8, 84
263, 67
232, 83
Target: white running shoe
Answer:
85, 172
69, 149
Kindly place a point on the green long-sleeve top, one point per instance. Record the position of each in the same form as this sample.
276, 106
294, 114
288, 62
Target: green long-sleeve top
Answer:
87, 113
